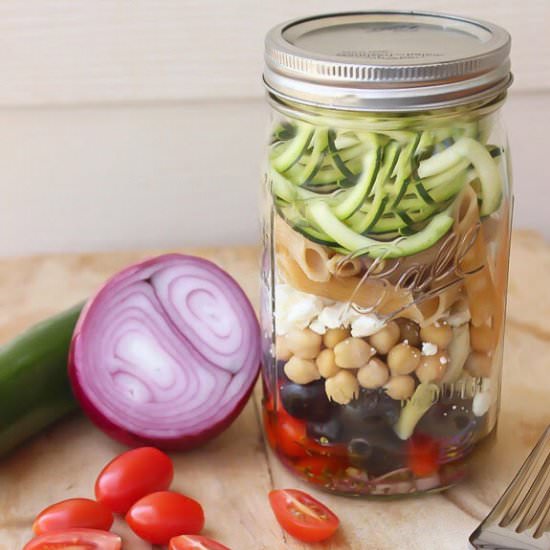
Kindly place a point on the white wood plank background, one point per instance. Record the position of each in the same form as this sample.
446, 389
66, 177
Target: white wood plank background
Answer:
73, 51
109, 178
127, 124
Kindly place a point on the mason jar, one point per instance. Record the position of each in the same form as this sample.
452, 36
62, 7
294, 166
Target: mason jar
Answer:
386, 241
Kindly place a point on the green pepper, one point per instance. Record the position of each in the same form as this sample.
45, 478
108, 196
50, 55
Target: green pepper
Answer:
34, 386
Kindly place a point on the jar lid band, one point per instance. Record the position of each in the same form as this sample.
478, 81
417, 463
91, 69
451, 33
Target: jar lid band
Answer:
387, 60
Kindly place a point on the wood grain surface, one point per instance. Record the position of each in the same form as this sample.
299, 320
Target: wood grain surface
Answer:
232, 474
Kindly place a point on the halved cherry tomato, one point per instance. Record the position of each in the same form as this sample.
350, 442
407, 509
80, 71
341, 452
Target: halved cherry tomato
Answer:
292, 439
132, 475
71, 514
269, 428
268, 403
423, 455
288, 434
291, 436
76, 539
190, 542
160, 516
302, 516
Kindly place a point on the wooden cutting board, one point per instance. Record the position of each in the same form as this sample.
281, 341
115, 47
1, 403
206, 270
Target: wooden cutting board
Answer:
232, 475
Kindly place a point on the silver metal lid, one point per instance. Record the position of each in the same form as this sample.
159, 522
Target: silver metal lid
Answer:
387, 60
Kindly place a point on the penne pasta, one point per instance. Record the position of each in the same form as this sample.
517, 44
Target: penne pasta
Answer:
311, 257
342, 266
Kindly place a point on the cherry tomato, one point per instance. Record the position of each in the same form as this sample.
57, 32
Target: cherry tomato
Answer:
190, 542
302, 516
293, 441
160, 516
73, 513
269, 429
76, 539
290, 434
132, 475
268, 404
423, 455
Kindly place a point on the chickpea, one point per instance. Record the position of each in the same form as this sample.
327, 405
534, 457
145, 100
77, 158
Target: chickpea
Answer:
373, 375
281, 349
326, 363
439, 334
482, 338
400, 387
342, 388
334, 336
403, 359
304, 343
353, 353
478, 364
432, 367
386, 338
410, 332
301, 371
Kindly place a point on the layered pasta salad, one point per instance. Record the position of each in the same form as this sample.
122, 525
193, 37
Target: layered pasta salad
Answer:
384, 284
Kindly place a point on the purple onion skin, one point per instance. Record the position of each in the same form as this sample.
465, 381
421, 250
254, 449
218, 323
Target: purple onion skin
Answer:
120, 433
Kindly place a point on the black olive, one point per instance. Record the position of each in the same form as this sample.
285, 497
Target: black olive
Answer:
306, 401
360, 448
370, 406
382, 461
378, 453
451, 421
331, 431
369, 417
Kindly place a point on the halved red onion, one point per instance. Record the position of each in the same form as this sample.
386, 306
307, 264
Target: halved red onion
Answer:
166, 353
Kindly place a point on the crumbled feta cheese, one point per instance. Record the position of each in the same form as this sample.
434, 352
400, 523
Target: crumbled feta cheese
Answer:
318, 327
294, 309
428, 348
443, 360
366, 325
333, 316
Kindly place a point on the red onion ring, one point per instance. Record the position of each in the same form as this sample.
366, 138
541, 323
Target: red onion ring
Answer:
166, 353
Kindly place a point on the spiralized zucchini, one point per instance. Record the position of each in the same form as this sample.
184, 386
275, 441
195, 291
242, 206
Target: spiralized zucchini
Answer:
386, 193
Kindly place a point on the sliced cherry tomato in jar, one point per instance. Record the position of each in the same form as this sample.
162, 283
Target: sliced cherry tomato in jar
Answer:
422, 455
269, 428
267, 402
76, 539
160, 516
290, 435
195, 542
292, 439
73, 513
133, 475
302, 516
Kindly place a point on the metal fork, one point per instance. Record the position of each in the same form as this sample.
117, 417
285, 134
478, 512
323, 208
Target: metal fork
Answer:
521, 517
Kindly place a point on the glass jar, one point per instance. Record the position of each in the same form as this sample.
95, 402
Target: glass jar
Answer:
386, 233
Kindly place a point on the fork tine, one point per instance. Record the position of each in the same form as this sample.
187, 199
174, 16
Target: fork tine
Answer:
527, 499
501, 512
542, 515
526, 506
